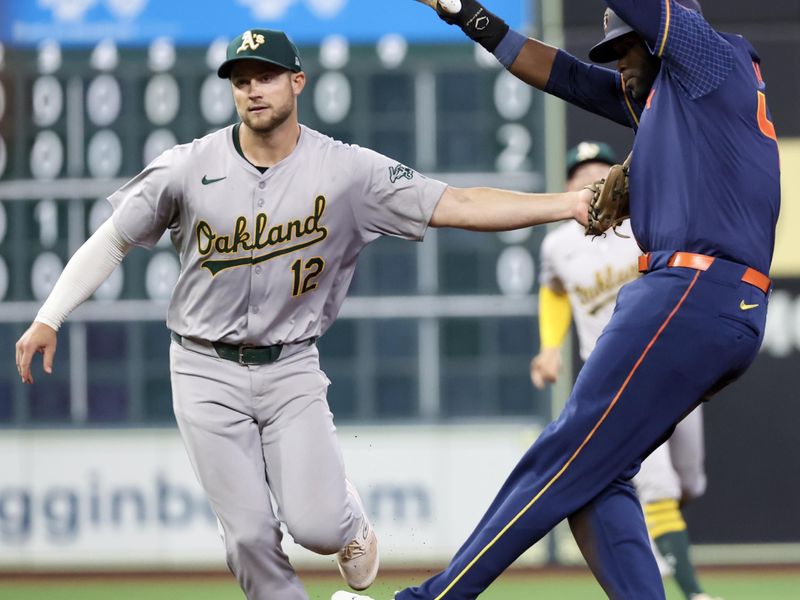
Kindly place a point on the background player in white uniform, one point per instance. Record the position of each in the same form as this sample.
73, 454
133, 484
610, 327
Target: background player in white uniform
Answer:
268, 218
580, 278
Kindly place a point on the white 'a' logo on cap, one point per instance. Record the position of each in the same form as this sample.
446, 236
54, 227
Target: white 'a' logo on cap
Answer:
606, 17
587, 151
250, 41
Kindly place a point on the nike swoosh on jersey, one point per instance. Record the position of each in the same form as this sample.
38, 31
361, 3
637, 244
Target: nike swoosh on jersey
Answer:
744, 306
206, 180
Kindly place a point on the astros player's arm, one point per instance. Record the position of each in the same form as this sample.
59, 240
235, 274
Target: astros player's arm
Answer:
643, 15
591, 87
491, 209
587, 86
493, 33
555, 317
88, 268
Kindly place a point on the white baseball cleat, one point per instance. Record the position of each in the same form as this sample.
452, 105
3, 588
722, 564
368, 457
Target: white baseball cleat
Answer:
358, 561
349, 596
704, 597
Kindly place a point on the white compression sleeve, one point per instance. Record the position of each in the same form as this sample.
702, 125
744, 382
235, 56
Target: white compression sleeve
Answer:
88, 268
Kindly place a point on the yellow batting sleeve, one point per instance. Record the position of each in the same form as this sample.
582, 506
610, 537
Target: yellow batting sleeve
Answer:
555, 316
663, 517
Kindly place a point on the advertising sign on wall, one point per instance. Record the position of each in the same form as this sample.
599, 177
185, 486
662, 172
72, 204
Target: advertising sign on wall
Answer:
129, 499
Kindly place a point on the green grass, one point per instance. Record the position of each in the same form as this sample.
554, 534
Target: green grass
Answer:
749, 585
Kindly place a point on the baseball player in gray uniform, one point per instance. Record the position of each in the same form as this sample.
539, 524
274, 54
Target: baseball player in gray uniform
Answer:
579, 279
269, 217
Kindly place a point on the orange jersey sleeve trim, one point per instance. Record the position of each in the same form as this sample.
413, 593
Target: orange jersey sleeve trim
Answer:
650, 97
764, 124
757, 70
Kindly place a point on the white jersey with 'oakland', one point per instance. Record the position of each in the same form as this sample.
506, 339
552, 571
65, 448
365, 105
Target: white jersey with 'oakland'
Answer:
267, 258
591, 271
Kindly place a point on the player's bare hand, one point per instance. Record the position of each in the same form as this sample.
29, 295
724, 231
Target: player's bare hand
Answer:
580, 212
38, 339
545, 367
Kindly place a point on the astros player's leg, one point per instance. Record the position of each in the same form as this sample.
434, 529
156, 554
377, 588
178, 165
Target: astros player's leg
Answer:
620, 557
647, 371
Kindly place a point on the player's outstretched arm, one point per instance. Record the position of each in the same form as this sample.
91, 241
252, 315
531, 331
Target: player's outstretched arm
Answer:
528, 59
534, 63
491, 209
545, 67
89, 267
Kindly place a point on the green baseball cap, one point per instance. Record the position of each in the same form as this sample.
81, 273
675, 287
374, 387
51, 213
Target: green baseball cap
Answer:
268, 45
589, 152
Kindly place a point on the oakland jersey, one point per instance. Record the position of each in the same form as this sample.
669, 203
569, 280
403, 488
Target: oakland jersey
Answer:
591, 271
266, 258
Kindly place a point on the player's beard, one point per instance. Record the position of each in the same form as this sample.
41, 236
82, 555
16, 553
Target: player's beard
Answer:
643, 78
639, 88
271, 118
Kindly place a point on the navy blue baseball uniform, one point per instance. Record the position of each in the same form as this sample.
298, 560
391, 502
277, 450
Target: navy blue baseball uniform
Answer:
704, 204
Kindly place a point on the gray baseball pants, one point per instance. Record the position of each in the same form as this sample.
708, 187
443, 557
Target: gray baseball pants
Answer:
252, 430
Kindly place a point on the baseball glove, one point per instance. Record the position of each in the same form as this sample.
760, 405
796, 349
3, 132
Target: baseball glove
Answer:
609, 206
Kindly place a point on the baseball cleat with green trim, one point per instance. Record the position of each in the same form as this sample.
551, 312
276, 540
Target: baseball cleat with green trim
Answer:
358, 561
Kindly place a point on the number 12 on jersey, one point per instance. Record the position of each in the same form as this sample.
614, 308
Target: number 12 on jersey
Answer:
305, 275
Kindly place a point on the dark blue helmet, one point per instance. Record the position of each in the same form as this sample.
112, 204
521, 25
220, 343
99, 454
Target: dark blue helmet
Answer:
614, 28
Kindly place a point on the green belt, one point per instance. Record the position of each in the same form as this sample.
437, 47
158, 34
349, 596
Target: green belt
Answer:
244, 355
